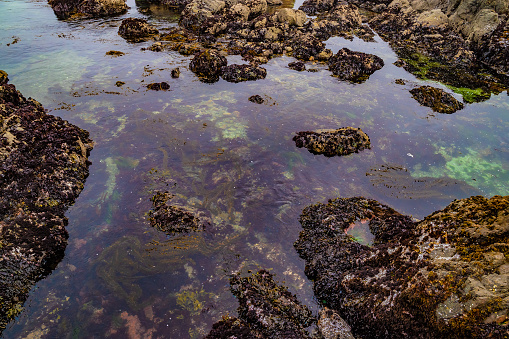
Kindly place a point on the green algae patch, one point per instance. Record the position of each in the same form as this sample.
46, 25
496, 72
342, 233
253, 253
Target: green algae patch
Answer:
471, 95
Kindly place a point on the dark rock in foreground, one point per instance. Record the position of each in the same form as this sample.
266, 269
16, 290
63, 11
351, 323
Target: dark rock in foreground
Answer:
437, 99
134, 29
266, 310
446, 276
65, 9
354, 66
341, 141
208, 65
238, 73
43, 166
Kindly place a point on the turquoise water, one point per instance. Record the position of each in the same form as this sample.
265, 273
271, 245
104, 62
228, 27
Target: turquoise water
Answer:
231, 160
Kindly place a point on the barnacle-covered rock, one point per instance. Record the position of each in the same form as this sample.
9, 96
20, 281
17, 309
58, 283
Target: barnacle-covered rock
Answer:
208, 65
135, 29
89, 8
354, 66
173, 219
445, 276
43, 166
437, 99
329, 142
239, 73
266, 310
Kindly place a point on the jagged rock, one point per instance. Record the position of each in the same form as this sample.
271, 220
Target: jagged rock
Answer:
238, 73
134, 29
173, 219
65, 9
354, 66
437, 99
331, 142
43, 166
159, 86
266, 310
297, 65
494, 52
197, 11
445, 276
208, 65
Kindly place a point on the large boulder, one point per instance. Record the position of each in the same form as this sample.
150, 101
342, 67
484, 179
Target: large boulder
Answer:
354, 66
330, 142
445, 276
208, 65
43, 166
64, 9
135, 29
437, 99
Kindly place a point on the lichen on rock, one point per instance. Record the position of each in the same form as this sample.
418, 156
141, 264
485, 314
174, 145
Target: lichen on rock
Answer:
328, 142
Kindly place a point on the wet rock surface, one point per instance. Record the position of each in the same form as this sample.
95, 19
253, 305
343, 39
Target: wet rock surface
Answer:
437, 99
354, 66
430, 279
159, 86
266, 310
65, 9
134, 29
330, 143
208, 65
43, 169
238, 73
173, 219
494, 51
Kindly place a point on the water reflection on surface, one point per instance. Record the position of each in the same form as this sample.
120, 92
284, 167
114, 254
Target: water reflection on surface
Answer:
227, 158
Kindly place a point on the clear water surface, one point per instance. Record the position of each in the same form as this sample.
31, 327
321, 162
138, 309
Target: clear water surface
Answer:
230, 160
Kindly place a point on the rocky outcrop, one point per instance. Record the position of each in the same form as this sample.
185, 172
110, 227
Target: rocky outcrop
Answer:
208, 65
494, 50
238, 73
65, 9
43, 166
354, 66
135, 30
172, 219
437, 99
445, 276
266, 310
341, 141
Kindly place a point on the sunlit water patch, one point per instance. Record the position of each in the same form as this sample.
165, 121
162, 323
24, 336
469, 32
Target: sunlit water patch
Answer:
225, 157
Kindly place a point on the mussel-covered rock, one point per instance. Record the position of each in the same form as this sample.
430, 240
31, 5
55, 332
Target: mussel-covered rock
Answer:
331, 142
208, 65
43, 166
135, 29
437, 99
354, 66
297, 65
306, 46
445, 276
238, 73
494, 52
90, 8
173, 219
266, 310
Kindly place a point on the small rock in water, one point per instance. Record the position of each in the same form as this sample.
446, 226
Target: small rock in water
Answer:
297, 65
119, 83
256, 99
159, 86
175, 73
134, 29
437, 99
331, 142
354, 66
115, 53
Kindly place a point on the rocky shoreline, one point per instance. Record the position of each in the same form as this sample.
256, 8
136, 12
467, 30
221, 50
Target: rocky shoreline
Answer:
44, 165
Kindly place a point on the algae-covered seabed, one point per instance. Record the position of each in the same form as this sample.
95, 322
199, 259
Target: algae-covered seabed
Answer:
230, 160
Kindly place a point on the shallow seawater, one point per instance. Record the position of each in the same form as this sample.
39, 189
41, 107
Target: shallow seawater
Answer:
227, 158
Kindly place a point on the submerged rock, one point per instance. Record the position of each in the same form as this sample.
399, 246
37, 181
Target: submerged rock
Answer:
65, 9
134, 29
208, 65
437, 99
354, 66
172, 219
445, 276
331, 142
238, 73
43, 166
266, 310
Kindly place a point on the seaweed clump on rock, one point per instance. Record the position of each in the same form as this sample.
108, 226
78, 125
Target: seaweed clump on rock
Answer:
208, 65
437, 99
172, 219
354, 66
65, 9
238, 73
331, 142
446, 276
135, 29
43, 167
266, 310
